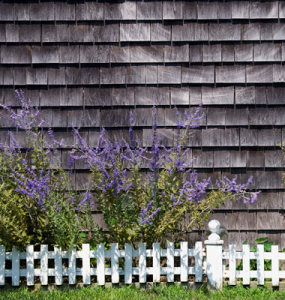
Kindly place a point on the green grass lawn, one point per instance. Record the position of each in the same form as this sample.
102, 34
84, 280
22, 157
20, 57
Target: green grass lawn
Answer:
130, 292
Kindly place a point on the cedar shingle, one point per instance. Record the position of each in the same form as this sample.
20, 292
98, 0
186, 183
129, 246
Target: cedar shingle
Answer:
173, 10
169, 74
152, 96
141, 54
30, 33
64, 11
16, 54
198, 74
160, 32
176, 53
43, 11
149, 10
121, 11
45, 55
58, 33
94, 54
130, 32
89, 11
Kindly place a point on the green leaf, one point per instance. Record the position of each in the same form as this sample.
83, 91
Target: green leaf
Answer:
261, 240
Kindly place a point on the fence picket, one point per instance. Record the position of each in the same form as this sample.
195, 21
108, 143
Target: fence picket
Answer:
232, 264
128, 263
156, 262
198, 262
101, 264
58, 266
260, 264
246, 264
72, 266
184, 261
115, 263
30, 264
170, 262
2, 264
86, 263
275, 265
142, 262
15, 266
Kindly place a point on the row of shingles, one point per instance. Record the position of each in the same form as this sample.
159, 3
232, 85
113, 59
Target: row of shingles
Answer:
143, 74
140, 32
159, 96
132, 10
150, 95
178, 52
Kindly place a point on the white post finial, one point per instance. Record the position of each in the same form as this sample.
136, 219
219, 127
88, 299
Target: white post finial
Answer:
214, 254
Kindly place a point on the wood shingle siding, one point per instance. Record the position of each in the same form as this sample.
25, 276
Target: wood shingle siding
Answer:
91, 63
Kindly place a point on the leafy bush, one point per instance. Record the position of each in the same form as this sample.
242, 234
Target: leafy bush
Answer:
38, 204
152, 194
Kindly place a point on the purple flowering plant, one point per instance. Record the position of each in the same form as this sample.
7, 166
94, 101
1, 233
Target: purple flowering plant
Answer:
38, 202
149, 194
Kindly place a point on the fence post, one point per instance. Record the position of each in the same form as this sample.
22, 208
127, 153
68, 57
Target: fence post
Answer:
214, 251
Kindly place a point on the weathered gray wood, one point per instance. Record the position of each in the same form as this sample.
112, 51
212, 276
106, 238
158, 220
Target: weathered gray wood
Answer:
107, 33
224, 10
268, 137
123, 96
91, 118
169, 74
260, 95
141, 54
230, 74
278, 73
143, 117
42, 12
244, 52
97, 96
151, 74
212, 53
56, 75
45, 55
160, 32
16, 54
236, 117
220, 137
73, 76
248, 137
81, 33
94, 54
7, 12
184, 32
36, 76
12, 33
238, 159
22, 11
198, 74
180, 96
278, 31
203, 158
275, 95
149, 10
195, 94
240, 9
255, 159
89, 75
259, 74
267, 52
190, 10
8, 76
115, 117
167, 137
20, 76
119, 54
273, 159
152, 96
64, 11
69, 54
130, 32
216, 116
224, 32
176, 53
71, 96
264, 10
173, 10
196, 53
135, 74
217, 96
32, 94
2, 33
266, 31
245, 95
279, 115
50, 97
30, 33
262, 116
89, 10
251, 32
222, 158
58, 33
228, 53
201, 32
121, 11
207, 10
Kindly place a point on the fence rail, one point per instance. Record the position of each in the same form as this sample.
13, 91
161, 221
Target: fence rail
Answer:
214, 262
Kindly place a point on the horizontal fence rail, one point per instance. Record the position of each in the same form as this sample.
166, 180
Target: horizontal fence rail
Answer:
101, 271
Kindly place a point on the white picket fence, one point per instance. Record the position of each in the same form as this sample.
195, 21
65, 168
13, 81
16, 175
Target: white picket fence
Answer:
213, 262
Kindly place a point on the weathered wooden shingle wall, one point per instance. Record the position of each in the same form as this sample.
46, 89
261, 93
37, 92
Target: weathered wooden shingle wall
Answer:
90, 63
